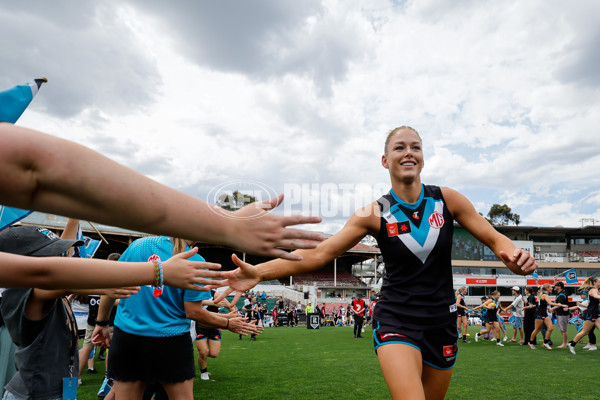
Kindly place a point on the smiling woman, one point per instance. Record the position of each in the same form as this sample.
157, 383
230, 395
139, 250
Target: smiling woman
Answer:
415, 333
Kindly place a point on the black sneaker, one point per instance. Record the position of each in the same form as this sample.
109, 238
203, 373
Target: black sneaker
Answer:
92, 371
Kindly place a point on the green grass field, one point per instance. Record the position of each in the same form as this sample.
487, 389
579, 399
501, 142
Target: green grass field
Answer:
328, 363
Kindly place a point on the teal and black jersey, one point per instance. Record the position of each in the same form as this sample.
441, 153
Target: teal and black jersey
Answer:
416, 245
542, 308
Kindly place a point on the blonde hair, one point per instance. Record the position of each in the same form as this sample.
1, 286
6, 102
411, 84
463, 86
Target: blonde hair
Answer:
544, 288
589, 282
459, 290
178, 245
396, 130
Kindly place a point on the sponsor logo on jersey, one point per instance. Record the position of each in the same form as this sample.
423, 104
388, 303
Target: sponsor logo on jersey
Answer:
416, 215
436, 220
392, 229
398, 228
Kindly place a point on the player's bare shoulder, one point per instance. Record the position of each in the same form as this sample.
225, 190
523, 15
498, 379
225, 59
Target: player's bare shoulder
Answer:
368, 218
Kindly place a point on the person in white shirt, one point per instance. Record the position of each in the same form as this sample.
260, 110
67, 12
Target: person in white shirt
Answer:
517, 311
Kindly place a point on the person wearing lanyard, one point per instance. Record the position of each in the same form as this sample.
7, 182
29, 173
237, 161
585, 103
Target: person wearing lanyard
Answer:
41, 323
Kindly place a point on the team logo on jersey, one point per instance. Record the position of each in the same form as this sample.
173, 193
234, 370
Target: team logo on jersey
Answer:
450, 350
398, 228
436, 220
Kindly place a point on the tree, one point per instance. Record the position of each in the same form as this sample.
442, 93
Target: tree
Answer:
502, 215
235, 201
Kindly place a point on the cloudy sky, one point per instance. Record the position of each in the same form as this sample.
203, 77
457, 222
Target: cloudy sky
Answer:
297, 97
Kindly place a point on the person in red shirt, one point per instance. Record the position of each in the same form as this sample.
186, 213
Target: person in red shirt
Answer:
358, 308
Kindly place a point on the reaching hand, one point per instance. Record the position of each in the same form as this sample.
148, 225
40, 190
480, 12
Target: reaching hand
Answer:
122, 293
245, 277
521, 262
180, 272
239, 325
262, 233
101, 336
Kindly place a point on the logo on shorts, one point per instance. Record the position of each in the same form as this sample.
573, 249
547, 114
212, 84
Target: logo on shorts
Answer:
389, 335
436, 220
450, 350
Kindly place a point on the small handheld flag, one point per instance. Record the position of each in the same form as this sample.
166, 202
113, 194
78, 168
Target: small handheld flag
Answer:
89, 245
512, 320
571, 276
9, 216
14, 101
578, 322
535, 275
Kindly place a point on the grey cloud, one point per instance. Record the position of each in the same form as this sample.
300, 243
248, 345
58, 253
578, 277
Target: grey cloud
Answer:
90, 59
262, 39
582, 68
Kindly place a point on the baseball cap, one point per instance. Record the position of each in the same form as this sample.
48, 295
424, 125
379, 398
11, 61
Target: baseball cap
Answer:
516, 288
562, 285
34, 241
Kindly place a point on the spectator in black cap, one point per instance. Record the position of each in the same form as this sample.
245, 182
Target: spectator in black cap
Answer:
40, 322
562, 313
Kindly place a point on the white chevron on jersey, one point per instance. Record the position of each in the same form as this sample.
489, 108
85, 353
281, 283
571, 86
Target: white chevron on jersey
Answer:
422, 252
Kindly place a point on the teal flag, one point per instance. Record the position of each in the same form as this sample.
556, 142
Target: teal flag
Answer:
14, 101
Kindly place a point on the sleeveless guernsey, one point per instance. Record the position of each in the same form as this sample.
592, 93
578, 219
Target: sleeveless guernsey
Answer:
416, 244
542, 308
592, 310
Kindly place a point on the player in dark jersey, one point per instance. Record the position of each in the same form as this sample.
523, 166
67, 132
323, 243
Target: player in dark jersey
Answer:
414, 326
542, 317
208, 340
492, 322
591, 315
461, 312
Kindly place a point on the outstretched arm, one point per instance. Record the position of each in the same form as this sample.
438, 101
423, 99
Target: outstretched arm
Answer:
73, 273
518, 261
231, 322
44, 173
246, 276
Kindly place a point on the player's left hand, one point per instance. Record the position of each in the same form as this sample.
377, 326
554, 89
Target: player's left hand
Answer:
521, 262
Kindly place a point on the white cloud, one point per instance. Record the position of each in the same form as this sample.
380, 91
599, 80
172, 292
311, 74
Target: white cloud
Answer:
503, 94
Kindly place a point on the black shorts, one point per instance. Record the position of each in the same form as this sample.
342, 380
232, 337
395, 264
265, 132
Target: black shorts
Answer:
151, 359
461, 313
591, 316
438, 346
491, 319
207, 333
